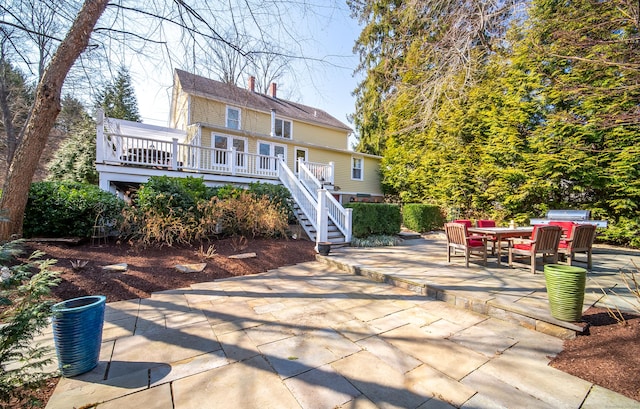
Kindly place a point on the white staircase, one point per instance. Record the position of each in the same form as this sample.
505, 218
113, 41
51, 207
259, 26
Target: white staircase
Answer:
319, 213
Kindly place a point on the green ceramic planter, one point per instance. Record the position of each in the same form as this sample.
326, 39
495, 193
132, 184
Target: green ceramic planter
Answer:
565, 288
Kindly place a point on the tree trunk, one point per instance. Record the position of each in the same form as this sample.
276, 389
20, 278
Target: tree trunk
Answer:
45, 110
7, 118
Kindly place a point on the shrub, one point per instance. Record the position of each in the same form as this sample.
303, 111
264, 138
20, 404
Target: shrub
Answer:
166, 195
278, 195
63, 209
241, 213
375, 219
227, 191
26, 312
622, 232
422, 217
249, 215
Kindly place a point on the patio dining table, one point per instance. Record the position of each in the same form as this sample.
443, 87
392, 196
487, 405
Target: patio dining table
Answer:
501, 233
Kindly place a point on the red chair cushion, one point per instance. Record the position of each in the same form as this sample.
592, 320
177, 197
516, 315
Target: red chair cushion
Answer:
567, 227
522, 246
465, 222
475, 243
486, 223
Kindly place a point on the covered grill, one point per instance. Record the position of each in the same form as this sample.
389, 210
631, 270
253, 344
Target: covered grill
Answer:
576, 216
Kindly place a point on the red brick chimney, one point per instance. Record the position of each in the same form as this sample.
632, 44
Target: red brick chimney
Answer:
272, 89
252, 83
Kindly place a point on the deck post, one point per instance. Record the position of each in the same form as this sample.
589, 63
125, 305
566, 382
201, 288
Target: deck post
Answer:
174, 154
348, 225
233, 160
330, 178
323, 219
99, 135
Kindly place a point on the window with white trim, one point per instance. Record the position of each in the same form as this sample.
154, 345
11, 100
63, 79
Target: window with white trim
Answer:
357, 168
223, 144
282, 128
233, 118
268, 155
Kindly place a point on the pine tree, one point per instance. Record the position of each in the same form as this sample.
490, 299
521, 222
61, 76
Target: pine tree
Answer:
118, 99
75, 159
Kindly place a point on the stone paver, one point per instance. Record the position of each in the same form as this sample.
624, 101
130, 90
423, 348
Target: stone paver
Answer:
153, 398
251, 384
316, 336
321, 388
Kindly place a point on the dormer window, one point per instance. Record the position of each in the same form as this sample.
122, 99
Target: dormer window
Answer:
233, 118
282, 128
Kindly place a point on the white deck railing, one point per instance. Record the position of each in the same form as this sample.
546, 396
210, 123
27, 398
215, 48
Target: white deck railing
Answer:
114, 147
322, 172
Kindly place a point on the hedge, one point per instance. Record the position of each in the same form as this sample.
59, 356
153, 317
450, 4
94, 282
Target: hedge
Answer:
375, 219
68, 209
422, 217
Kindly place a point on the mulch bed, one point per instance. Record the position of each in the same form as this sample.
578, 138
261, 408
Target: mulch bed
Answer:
152, 269
609, 355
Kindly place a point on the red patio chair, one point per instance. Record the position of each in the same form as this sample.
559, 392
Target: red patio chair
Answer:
545, 241
567, 227
459, 239
580, 241
464, 221
486, 223
491, 239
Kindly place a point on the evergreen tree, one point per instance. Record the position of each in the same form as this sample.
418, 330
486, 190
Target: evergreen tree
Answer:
590, 67
76, 157
439, 40
549, 120
118, 99
16, 96
71, 114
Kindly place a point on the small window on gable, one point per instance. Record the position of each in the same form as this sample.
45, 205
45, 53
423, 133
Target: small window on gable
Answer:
283, 128
357, 168
233, 118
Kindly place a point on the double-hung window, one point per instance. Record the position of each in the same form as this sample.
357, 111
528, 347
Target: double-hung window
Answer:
283, 128
233, 118
357, 168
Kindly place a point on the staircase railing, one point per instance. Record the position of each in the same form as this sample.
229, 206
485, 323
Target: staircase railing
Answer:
304, 199
340, 216
308, 179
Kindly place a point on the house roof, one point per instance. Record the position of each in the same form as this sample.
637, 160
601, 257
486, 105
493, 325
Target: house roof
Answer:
231, 94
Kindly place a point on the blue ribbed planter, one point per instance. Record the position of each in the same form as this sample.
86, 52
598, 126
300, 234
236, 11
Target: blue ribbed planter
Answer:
77, 332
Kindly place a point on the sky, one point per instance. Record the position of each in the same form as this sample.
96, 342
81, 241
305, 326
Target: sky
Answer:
329, 36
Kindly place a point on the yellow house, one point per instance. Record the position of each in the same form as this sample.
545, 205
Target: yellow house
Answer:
225, 117
229, 135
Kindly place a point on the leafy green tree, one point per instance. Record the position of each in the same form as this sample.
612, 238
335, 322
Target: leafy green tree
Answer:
547, 119
118, 99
